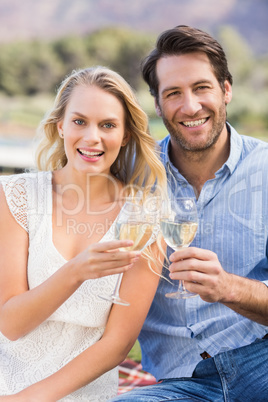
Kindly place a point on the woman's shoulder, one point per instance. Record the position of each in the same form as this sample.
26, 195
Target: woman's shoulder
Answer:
25, 180
27, 174
23, 193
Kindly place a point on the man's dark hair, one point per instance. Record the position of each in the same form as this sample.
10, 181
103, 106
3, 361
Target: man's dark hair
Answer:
181, 40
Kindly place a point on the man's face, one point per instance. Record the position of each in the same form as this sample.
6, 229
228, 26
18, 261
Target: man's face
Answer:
191, 101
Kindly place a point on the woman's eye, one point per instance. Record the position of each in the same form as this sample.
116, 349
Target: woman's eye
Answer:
79, 122
108, 125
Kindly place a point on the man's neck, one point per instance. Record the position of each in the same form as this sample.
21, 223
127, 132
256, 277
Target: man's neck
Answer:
199, 167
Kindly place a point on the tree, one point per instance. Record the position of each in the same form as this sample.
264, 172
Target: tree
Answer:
29, 68
120, 49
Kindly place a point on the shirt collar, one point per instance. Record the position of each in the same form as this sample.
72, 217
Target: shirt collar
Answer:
236, 147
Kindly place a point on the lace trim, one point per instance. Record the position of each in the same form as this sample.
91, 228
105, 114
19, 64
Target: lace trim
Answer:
15, 191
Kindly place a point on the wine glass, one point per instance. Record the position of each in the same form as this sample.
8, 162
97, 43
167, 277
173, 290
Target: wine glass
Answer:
178, 223
134, 222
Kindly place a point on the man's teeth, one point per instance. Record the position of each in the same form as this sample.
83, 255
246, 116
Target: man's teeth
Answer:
89, 153
194, 123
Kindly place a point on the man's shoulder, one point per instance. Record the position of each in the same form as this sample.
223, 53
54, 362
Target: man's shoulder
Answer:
253, 140
163, 143
254, 145
245, 145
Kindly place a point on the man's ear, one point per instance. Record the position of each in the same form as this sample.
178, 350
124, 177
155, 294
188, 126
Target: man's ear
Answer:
228, 92
157, 108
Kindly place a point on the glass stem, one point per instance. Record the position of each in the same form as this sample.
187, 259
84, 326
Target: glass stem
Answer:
117, 286
181, 286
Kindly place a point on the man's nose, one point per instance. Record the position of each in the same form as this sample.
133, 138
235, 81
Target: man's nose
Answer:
190, 104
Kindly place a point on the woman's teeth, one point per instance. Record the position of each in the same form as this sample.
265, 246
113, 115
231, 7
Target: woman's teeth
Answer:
90, 153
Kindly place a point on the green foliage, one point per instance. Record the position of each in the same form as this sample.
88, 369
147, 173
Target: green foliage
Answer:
248, 109
28, 68
33, 67
121, 50
72, 53
37, 67
239, 54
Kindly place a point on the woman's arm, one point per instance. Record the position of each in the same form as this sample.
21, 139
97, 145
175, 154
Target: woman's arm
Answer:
21, 309
124, 324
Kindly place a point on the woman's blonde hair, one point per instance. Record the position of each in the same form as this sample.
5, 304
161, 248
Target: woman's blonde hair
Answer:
138, 163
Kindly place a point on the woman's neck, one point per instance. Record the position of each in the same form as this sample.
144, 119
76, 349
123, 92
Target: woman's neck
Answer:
96, 189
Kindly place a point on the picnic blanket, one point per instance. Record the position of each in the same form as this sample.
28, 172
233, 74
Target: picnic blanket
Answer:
131, 375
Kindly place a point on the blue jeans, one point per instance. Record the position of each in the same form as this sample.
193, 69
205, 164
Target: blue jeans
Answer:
239, 375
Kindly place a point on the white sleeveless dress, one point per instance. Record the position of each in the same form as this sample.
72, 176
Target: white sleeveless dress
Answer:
76, 325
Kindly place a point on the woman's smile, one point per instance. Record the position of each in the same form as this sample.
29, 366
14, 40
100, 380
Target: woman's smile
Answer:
90, 155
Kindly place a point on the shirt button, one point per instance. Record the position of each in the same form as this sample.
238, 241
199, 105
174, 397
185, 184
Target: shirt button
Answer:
199, 337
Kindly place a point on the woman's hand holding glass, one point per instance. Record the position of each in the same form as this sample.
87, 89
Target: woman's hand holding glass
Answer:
104, 258
135, 222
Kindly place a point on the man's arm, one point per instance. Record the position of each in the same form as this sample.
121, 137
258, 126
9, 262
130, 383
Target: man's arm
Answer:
203, 274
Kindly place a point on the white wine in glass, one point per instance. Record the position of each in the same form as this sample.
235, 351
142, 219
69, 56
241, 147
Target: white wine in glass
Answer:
178, 234
139, 232
179, 224
132, 224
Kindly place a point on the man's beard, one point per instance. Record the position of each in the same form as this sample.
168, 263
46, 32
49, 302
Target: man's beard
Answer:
213, 137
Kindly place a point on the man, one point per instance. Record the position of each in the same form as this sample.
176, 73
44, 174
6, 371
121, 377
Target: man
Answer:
211, 347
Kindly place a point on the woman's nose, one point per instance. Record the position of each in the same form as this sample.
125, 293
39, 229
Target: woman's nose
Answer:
92, 134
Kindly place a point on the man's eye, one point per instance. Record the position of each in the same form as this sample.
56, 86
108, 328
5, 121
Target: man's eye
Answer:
79, 122
108, 125
172, 93
202, 87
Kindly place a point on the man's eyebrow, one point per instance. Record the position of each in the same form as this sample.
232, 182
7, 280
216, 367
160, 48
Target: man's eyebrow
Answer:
176, 88
202, 82
168, 89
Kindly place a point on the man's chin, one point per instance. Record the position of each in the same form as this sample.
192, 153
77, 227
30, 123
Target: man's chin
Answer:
193, 146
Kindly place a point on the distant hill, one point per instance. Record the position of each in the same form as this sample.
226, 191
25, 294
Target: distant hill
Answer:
38, 19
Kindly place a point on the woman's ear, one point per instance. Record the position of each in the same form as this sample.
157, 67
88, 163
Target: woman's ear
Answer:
60, 128
157, 108
126, 138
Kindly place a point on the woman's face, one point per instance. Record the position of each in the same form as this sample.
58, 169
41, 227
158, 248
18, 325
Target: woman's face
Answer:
93, 129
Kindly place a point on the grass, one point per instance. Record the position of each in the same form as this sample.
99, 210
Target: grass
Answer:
20, 116
135, 353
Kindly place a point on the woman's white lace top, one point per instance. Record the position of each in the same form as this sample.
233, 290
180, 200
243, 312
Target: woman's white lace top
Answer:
76, 325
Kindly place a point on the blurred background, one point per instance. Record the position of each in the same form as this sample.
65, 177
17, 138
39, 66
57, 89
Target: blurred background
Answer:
42, 41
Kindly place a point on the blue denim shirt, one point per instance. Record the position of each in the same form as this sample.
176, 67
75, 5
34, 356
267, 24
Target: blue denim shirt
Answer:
233, 222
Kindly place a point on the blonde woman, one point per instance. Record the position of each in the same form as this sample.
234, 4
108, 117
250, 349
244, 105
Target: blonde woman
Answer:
59, 340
